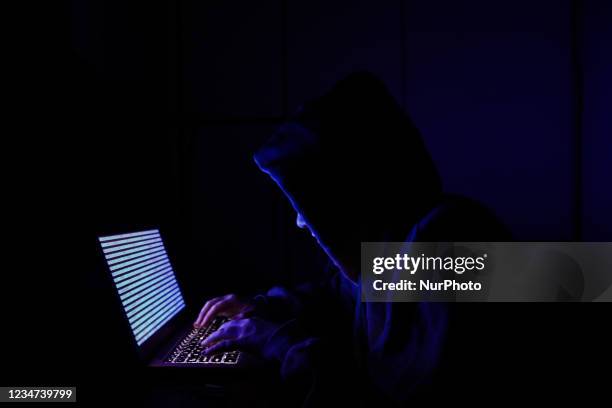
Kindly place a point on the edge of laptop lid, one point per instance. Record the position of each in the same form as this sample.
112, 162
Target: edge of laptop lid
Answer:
137, 264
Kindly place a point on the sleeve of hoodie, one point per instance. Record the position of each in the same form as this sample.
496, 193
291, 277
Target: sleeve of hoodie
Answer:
315, 369
281, 304
313, 337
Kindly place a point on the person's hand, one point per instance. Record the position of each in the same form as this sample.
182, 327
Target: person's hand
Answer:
250, 334
228, 306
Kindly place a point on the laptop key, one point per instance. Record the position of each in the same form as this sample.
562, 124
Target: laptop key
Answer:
189, 349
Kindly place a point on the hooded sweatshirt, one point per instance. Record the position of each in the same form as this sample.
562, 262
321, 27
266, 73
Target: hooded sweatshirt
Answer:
354, 166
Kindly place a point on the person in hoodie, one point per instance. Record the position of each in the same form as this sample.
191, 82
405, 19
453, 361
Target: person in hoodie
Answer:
355, 169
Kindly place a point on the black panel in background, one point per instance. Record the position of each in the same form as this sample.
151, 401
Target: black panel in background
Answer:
98, 153
231, 58
595, 42
38, 279
131, 137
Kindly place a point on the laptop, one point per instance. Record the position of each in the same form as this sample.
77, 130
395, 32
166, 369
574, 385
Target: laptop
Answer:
153, 305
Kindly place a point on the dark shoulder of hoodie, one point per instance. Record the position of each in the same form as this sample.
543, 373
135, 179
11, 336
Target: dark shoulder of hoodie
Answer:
461, 219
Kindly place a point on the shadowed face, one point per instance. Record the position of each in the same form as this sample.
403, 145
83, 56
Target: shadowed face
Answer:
301, 223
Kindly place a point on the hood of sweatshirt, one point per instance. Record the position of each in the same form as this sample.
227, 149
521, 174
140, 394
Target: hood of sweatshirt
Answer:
354, 166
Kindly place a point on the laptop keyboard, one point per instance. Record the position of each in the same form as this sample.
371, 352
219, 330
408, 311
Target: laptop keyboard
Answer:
189, 350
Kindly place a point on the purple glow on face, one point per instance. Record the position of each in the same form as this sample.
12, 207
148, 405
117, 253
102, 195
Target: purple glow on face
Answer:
300, 221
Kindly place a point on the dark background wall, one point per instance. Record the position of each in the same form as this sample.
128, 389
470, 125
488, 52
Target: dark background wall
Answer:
595, 42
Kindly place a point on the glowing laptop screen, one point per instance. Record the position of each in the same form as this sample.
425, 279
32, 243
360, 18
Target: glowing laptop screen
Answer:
144, 279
